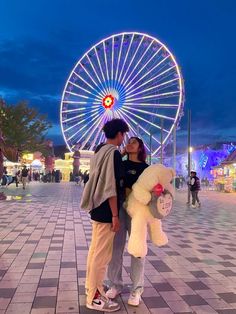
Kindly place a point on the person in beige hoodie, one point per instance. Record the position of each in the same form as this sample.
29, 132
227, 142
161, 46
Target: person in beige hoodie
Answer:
102, 198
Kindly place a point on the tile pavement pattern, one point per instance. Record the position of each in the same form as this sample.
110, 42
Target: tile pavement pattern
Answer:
44, 241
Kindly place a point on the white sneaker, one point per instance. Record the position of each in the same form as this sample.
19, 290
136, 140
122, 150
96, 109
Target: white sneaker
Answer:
112, 293
104, 305
134, 298
194, 206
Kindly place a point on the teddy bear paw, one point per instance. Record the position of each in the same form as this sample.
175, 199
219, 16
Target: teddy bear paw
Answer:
161, 240
137, 251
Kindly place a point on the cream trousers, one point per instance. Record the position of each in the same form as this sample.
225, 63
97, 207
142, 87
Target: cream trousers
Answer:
99, 256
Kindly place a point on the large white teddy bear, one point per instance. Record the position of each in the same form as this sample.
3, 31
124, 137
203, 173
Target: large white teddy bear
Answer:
138, 208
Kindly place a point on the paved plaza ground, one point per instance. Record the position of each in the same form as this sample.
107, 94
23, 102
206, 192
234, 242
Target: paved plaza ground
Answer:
44, 240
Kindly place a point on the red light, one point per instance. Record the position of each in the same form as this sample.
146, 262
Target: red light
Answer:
108, 101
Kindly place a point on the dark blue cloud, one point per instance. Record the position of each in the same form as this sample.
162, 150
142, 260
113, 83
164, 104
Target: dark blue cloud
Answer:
40, 43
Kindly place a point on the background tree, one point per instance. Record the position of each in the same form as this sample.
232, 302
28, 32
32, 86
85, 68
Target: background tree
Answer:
23, 130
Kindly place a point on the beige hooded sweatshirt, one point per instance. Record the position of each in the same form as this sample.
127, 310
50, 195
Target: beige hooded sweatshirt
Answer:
102, 183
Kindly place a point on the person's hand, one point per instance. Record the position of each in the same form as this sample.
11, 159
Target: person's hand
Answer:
123, 152
115, 224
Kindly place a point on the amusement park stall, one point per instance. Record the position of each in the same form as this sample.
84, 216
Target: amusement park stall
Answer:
66, 165
225, 174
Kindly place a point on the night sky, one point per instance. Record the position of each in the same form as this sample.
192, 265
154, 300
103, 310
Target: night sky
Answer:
40, 44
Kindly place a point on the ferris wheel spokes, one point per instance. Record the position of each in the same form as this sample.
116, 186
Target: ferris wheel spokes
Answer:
149, 46
139, 45
105, 58
118, 63
77, 116
128, 75
153, 87
132, 132
94, 82
100, 68
82, 128
143, 119
129, 120
84, 81
84, 89
150, 80
150, 113
81, 121
126, 56
94, 70
79, 109
156, 96
94, 127
161, 105
146, 74
144, 67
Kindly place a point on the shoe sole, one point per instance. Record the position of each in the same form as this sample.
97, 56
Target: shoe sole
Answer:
136, 305
89, 306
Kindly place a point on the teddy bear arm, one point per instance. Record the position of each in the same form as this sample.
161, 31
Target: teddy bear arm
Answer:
137, 244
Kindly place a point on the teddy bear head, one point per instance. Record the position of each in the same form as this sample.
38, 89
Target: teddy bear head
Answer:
154, 176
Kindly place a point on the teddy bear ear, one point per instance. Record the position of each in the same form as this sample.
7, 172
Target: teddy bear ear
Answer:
142, 195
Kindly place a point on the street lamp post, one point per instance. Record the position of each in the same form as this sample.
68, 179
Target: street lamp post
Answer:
150, 146
189, 152
174, 153
162, 122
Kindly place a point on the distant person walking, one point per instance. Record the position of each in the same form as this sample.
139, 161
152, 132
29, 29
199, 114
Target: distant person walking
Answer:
15, 176
24, 176
194, 188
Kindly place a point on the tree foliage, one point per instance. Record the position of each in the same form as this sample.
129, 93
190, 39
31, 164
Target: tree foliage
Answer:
23, 127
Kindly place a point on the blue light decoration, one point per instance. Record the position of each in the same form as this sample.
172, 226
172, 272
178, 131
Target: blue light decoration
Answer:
203, 160
231, 148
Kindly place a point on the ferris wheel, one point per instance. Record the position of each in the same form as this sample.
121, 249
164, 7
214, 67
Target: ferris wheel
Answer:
132, 76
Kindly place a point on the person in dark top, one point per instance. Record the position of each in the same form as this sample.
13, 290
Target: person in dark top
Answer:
194, 188
86, 177
24, 176
102, 196
134, 166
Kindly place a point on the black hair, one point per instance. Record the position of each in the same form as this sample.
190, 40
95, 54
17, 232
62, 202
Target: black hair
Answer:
113, 127
142, 155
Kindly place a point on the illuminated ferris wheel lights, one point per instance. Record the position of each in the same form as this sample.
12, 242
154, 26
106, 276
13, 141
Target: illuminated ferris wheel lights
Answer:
153, 87
108, 101
96, 114
161, 105
143, 129
145, 120
81, 129
150, 113
137, 64
128, 75
84, 89
150, 80
146, 74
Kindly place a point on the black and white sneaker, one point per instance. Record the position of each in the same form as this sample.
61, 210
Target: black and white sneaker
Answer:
104, 305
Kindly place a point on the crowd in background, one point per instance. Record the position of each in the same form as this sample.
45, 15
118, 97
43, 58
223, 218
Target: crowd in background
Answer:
79, 178
26, 175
